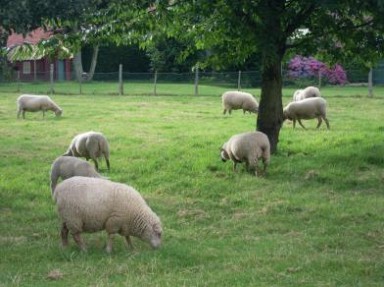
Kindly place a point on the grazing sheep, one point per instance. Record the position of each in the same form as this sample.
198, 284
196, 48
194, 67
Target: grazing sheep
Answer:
308, 92
35, 103
249, 148
89, 205
68, 166
297, 95
90, 145
235, 100
306, 109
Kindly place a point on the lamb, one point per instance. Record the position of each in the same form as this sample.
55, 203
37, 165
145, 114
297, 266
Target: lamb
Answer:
308, 92
306, 109
35, 103
235, 100
68, 166
90, 145
89, 205
247, 147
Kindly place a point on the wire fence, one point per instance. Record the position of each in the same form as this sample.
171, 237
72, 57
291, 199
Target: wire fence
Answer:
120, 82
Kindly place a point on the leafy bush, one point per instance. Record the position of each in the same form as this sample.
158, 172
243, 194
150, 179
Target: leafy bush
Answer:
301, 67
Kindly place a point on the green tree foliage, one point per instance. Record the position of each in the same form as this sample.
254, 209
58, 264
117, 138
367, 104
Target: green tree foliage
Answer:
22, 16
131, 57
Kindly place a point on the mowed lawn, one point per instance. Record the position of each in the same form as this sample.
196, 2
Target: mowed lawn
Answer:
315, 219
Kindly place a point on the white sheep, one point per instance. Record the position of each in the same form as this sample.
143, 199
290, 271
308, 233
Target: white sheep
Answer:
91, 145
306, 109
35, 103
68, 166
235, 100
308, 92
249, 148
89, 205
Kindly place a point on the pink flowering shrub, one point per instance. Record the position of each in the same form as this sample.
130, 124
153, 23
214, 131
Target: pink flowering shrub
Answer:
301, 67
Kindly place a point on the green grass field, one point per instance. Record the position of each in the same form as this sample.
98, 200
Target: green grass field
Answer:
316, 219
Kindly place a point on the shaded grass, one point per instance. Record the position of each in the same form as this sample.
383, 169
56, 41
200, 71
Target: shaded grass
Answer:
316, 219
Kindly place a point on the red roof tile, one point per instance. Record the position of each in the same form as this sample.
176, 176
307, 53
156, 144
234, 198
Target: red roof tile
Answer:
33, 37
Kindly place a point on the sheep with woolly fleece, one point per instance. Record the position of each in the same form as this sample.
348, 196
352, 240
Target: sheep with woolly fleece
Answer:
307, 109
68, 166
89, 205
35, 103
308, 92
247, 147
235, 100
91, 145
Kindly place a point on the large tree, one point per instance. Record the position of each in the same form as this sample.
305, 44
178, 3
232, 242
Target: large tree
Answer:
271, 28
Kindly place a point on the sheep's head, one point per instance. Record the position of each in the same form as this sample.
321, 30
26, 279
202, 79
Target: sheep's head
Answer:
224, 154
153, 234
150, 230
285, 114
58, 112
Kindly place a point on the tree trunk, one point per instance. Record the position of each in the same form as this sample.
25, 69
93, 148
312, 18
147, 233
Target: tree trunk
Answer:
78, 66
270, 116
93, 62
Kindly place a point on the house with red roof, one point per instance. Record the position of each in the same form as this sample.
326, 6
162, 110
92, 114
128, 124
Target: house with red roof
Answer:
32, 62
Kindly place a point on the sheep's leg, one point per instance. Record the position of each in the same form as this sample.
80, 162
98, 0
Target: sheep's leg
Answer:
108, 165
224, 112
319, 121
64, 235
300, 123
43, 113
252, 166
234, 166
79, 241
326, 122
265, 164
18, 113
247, 166
109, 243
23, 114
96, 164
129, 242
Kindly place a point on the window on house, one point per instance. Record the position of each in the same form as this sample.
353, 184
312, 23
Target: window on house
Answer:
26, 67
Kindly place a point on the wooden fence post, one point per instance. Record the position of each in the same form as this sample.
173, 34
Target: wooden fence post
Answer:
34, 71
196, 79
121, 86
155, 84
51, 70
239, 81
18, 81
